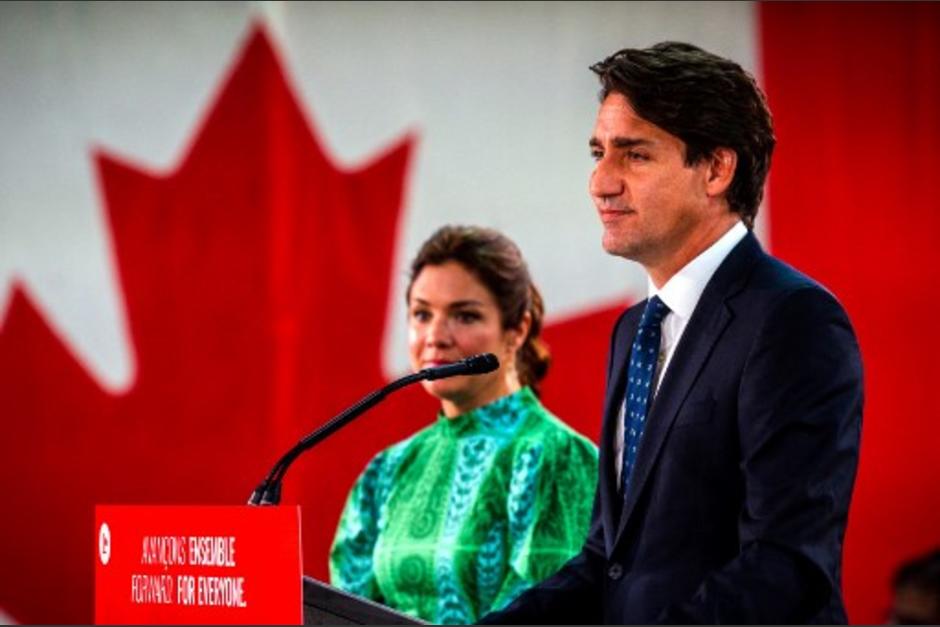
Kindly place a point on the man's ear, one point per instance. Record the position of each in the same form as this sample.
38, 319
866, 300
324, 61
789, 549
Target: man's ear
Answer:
722, 163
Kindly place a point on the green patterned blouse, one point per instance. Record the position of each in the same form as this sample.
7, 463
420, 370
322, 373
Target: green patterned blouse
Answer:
464, 515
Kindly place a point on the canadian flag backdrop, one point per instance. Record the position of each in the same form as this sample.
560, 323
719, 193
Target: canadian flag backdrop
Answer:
206, 213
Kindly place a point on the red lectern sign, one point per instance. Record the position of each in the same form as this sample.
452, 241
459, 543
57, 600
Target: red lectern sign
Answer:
185, 564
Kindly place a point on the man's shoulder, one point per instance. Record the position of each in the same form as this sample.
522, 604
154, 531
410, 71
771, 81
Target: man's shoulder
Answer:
780, 296
776, 281
749, 268
772, 273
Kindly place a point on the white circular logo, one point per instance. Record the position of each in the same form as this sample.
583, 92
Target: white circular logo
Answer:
104, 544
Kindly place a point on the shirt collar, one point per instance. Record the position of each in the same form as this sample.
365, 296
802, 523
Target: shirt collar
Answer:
682, 292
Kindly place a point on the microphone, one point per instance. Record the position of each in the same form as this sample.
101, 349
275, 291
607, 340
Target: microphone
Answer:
268, 491
478, 364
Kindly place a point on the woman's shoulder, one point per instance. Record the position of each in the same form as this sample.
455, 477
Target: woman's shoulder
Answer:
551, 431
392, 456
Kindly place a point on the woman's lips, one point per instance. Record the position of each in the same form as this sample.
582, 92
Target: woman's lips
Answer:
434, 363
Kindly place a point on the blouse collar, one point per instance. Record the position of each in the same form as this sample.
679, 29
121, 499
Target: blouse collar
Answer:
502, 416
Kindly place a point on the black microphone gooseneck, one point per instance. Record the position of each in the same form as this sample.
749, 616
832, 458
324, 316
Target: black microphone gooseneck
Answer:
268, 491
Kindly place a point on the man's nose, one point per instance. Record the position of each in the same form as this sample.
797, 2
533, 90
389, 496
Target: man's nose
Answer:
605, 181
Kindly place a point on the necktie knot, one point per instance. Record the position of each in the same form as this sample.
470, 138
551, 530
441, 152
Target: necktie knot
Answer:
654, 313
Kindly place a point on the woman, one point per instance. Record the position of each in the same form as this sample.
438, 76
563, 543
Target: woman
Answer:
493, 497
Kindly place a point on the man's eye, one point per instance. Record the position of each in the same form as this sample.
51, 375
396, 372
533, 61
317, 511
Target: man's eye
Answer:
637, 156
597, 155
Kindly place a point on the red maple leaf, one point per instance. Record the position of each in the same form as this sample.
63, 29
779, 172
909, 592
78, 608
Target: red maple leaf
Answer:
256, 279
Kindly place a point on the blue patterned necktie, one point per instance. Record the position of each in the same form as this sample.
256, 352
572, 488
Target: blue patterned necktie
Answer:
644, 355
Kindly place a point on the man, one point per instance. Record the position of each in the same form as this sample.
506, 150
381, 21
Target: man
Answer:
916, 587
734, 392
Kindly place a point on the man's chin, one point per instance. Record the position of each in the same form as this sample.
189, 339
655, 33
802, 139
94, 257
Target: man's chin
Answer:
616, 246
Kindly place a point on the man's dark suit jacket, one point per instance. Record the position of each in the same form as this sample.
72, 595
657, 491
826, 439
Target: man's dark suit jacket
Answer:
741, 488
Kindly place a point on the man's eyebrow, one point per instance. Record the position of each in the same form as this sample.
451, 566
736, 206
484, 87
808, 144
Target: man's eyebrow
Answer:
631, 142
622, 142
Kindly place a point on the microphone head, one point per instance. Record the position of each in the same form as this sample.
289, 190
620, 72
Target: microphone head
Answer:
479, 364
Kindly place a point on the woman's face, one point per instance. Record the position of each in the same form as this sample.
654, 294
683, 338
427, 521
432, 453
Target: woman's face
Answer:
451, 316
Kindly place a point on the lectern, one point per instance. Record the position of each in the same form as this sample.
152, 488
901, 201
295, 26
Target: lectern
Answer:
326, 605
214, 565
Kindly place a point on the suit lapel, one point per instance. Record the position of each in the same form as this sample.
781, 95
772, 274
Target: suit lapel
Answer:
611, 501
708, 322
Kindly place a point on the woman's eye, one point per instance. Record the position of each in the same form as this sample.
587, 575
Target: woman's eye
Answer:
421, 315
467, 317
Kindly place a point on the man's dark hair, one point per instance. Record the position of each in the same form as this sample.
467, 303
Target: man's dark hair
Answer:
706, 101
922, 573
916, 587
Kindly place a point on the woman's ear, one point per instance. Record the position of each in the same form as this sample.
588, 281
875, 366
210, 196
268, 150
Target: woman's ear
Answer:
516, 337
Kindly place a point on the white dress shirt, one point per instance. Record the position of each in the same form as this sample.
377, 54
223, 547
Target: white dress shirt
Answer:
681, 294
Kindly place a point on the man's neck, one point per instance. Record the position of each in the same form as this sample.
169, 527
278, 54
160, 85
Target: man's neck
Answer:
699, 242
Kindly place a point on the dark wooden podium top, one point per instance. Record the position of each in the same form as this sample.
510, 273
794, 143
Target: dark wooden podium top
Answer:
326, 605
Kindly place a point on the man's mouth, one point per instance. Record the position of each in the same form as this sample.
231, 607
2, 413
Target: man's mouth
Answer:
610, 215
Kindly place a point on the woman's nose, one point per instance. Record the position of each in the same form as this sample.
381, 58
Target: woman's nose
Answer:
438, 332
